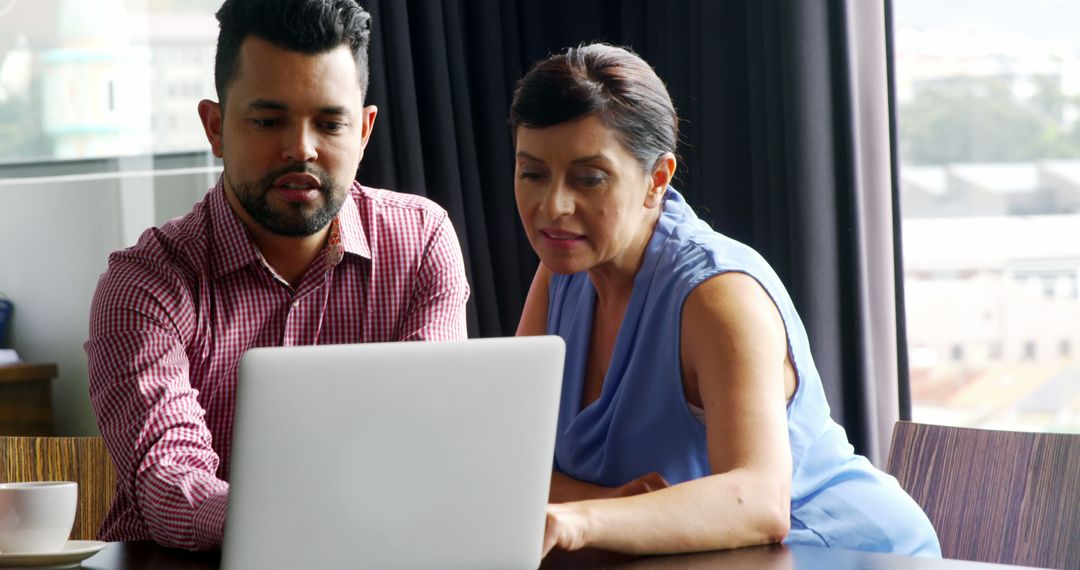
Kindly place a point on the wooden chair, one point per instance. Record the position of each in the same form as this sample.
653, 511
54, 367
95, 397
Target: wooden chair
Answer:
80, 459
994, 496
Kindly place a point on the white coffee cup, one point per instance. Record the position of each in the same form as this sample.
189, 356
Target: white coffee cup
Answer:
36, 517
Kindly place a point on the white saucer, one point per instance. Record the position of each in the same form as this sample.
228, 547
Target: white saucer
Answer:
70, 556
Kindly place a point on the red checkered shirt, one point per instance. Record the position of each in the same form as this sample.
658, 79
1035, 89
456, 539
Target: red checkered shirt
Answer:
172, 315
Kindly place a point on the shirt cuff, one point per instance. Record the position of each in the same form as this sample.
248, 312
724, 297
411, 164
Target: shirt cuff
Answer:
208, 523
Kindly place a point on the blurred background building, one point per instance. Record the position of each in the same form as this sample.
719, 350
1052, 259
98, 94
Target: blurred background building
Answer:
989, 98
106, 78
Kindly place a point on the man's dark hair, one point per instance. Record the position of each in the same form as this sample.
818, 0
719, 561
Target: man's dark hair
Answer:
305, 26
611, 82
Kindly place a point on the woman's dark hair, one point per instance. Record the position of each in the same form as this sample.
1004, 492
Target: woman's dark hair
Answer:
611, 82
305, 26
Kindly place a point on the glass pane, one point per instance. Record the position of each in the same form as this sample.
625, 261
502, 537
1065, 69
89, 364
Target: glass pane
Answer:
99, 139
988, 95
104, 78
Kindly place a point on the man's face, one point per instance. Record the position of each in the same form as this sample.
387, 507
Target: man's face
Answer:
291, 135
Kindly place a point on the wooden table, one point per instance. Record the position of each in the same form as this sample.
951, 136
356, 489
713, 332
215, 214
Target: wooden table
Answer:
139, 555
26, 398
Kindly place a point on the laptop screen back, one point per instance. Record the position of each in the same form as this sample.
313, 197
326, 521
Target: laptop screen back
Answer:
393, 455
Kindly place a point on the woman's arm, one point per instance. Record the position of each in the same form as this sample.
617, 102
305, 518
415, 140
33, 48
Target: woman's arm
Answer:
534, 315
734, 350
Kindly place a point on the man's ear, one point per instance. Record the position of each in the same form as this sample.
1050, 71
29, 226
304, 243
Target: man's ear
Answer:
210, 114
662, 174
367, 120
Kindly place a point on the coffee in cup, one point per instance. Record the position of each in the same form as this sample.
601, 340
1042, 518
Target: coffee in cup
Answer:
36, 517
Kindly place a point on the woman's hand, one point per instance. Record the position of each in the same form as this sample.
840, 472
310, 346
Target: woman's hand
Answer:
566, 489
566, 527
567, 523
644, 484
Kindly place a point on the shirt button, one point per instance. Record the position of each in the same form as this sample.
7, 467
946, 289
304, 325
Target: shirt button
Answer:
296, 304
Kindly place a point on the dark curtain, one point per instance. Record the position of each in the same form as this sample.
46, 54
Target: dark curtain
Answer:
760, 85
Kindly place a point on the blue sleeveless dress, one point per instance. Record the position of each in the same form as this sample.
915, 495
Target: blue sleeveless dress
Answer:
642, 421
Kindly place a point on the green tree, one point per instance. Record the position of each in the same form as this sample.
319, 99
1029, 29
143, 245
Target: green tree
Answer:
21, 139
980, 119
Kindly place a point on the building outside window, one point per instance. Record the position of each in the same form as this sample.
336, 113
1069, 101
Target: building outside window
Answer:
103, 78
988, 113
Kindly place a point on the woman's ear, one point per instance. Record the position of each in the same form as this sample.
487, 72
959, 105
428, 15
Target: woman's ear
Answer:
662, 174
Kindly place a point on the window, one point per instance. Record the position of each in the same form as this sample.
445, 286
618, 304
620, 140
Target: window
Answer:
87, 127
988, 116
85, 80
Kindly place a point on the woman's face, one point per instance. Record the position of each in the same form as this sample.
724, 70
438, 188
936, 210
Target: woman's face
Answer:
585, 201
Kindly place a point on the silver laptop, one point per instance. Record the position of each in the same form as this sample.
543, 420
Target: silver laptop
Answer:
415, 455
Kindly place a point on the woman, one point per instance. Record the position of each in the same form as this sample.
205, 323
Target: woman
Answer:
692, 417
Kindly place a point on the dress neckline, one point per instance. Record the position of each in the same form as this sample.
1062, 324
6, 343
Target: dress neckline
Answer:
628, 328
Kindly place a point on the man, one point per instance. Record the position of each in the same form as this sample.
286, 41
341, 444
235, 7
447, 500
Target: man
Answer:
285, 250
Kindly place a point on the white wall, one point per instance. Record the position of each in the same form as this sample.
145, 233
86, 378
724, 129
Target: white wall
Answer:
55, 237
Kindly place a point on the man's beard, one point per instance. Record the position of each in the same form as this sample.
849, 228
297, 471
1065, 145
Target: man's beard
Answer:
290, 219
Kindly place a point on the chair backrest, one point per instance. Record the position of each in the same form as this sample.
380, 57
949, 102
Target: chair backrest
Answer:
80, 459
994, 496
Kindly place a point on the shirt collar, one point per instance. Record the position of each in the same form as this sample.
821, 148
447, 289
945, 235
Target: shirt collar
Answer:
233, 247
352, 236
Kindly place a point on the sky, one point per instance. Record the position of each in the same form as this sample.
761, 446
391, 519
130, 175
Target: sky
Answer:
1056, 21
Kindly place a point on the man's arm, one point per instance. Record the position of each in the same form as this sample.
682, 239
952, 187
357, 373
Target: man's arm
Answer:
437, 308
147, 410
